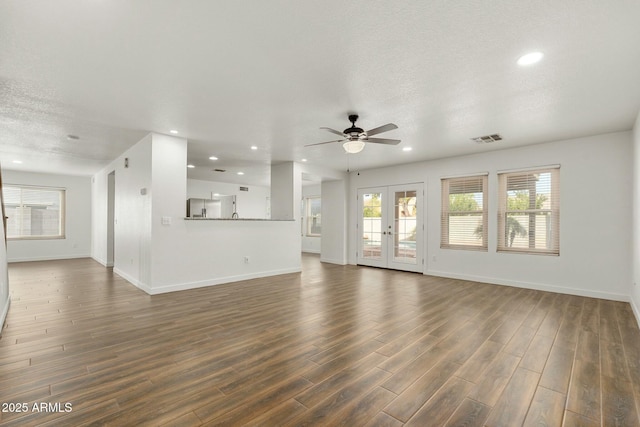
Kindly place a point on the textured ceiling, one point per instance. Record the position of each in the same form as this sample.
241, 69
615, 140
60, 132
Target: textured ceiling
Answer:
228, 75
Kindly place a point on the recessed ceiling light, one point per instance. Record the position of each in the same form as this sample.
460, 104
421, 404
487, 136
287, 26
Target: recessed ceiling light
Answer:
407, 148
213, 158
254, 147
18, 162
530, 58
304, 160
73, 137
173, 131
216, 194
240, 173
190, 166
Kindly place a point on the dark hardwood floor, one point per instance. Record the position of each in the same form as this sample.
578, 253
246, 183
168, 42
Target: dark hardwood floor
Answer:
335, 345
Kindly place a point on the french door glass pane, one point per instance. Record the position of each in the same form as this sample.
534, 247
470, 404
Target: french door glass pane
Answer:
405, 222
372, 226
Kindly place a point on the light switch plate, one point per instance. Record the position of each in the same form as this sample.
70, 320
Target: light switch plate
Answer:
166, 220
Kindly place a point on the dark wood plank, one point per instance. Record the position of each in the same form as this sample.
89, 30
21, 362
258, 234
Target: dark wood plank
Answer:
442, 405
361, 410
535, 358
384, 420
572, 419
618, 404
547, 409
585, 391
341, 399
511, 408
469, 414
495, 379
412, 398
557, 371
473, 369
520, 341
279, 415
313, 348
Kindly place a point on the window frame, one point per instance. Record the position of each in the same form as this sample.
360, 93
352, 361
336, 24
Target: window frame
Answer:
446, 213
309, 218
553, 211
62, 194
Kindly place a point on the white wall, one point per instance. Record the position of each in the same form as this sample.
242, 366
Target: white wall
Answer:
334, 221
209, 252
132, 230
5, 301
161, 257
310, 244
635, 284
286, 190
595, 216
77, 243
250, 204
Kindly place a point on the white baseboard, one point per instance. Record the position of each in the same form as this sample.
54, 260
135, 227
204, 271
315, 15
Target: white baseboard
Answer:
529, 285
310, 251
48, 258
3, 315
203, 283
334, 261
103, 262
636, 310
135, 282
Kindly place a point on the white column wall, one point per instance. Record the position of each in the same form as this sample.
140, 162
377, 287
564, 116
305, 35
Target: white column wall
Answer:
169, 195
132, 230
334, 221
286, 184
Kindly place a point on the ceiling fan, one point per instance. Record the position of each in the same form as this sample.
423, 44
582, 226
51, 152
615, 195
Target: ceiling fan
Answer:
355, 138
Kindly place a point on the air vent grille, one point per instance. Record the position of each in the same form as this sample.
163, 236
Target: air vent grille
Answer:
219, 170
487, 139
244, 188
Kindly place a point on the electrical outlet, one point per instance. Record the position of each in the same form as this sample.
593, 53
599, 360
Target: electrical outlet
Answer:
246, 260
434, 258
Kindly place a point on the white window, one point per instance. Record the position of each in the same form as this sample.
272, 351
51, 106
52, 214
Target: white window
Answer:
34, 212
463, 222
314, 216
529, 211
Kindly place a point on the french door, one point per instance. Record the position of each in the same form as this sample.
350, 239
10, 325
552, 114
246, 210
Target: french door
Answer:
390, 227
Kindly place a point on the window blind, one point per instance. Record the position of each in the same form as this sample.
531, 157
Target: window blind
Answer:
34, 212
529, 211
463, 223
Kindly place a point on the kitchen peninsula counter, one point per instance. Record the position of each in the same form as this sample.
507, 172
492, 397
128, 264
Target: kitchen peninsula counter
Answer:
236, 219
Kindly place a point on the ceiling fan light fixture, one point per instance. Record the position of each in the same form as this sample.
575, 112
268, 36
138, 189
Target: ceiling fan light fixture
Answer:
353, 147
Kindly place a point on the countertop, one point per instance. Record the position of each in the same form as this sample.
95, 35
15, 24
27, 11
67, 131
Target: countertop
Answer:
235, 219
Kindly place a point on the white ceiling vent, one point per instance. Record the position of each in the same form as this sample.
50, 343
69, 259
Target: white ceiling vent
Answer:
487, 139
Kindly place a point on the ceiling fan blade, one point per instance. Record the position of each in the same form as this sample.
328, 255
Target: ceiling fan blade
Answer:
328, 142
337, 132
380, 129
383, 141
